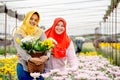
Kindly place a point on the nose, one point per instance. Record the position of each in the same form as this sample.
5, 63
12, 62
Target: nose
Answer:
33, 21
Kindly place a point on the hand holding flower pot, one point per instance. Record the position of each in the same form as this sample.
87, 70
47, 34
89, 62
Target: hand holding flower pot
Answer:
36, 48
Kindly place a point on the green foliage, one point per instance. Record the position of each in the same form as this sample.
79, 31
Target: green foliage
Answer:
49, 78
5, 77
100, 52
1, 50
9, 49
38, 46
27, 46
84, 50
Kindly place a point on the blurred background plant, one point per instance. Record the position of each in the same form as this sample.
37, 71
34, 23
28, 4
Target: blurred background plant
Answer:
9, 50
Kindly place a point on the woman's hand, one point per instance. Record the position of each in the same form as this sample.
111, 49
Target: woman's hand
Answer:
44, 58
39, 61
18, 55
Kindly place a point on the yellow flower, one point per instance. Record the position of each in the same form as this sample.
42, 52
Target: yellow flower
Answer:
116, 45
48, 43
104, 44
18, 40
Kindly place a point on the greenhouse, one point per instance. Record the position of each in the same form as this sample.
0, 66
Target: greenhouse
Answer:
92, 25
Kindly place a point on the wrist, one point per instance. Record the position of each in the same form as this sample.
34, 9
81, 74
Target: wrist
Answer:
47, 58
30, 60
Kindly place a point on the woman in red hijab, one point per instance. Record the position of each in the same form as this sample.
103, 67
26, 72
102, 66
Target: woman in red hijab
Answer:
64, 49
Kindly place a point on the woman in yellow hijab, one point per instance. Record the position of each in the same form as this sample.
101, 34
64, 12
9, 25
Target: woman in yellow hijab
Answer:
28, 27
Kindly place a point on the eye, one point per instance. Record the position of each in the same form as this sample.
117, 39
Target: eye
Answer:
36, 20
31, 18
57, 25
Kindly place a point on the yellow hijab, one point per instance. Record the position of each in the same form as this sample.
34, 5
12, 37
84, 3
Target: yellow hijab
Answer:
27, 29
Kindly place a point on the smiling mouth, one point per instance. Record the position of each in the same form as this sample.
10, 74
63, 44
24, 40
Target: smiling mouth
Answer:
32, 24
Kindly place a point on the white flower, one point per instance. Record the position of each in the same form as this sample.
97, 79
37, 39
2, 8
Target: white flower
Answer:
28, 39
35, 75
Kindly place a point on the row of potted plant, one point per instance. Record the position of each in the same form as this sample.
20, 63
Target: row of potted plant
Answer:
90, 68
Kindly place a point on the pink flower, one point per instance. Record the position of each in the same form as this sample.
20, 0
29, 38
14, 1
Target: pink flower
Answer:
57, 78
116, 74
67, 79
117, 78
55, 71
62, 73
46, 75
73, 69
102, 78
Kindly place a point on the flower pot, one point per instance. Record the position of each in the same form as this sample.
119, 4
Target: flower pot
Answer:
32, 67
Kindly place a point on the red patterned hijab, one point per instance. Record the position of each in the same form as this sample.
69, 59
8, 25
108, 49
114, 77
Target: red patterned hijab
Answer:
63, 41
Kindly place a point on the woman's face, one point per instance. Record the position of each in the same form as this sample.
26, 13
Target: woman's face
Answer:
59, 29
34, 20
